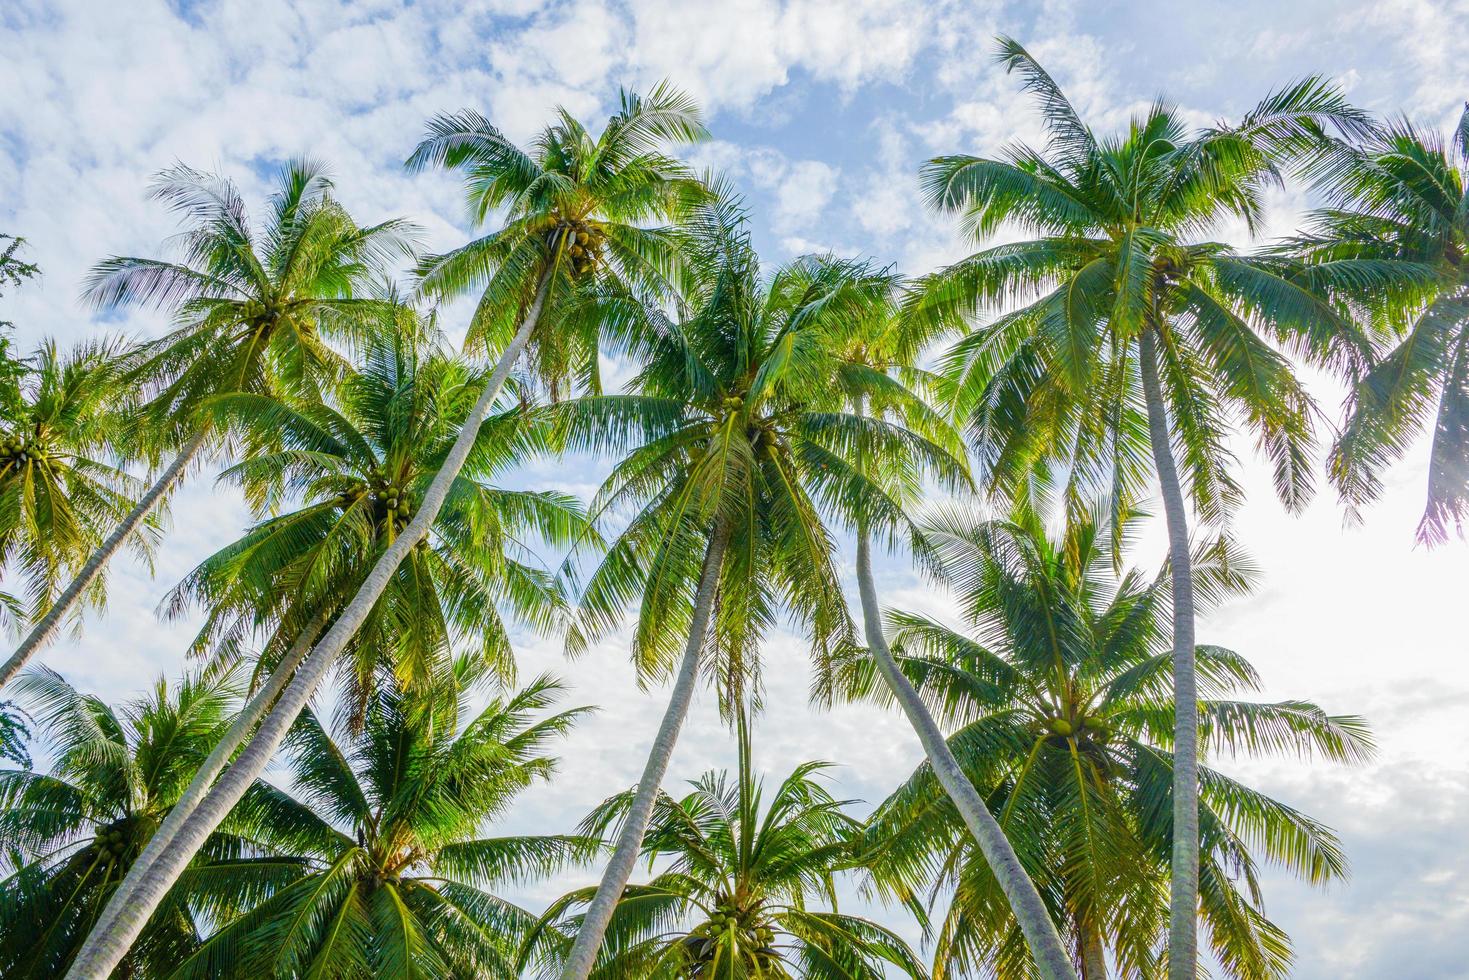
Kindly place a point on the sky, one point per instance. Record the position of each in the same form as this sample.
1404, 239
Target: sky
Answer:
822, 111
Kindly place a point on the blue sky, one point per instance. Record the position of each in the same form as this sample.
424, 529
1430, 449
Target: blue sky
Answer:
822, 111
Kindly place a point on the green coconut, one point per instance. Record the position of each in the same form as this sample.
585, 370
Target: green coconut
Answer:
1060, 726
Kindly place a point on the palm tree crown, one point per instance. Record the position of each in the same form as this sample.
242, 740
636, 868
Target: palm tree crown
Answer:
257, 307
737, 881
581, 214
58, 493
1401, 197
354, 470
69, 834
1059, 699
387, 823
737, 435
1120, 255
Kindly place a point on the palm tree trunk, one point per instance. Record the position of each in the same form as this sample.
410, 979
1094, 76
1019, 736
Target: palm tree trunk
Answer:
1183, 902
42, 632
630, 837
1050, 955
103, 951
1093, 957
239, 731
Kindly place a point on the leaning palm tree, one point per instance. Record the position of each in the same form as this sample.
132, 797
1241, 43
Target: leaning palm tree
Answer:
58, 492
397, 874
351, 473
733, 453
1057, 693
1401, 196
69, 835
609, 189
875, 356
739, 892
255, 307
1137, 341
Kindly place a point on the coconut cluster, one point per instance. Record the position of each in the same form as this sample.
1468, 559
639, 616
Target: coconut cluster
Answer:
584, 244
389, 500
754, 936
112, 842
16, 450
1082, 726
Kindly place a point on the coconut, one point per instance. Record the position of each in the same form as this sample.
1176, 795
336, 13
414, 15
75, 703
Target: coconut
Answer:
1060, 726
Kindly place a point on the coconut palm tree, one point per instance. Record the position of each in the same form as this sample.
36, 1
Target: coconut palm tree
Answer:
256, 308
69, 834
740, 888
1400, 196
734, 452
398, 878
610, 189
876, 355
58, 495
351, 473
1137, 342
1057, 695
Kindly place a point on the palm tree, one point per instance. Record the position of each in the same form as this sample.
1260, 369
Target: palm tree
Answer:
69, 835
1400, 196
255, 309
354, 472
571, 185
397, 876
734, 452
57, 498
1137, 341
1058, 696
877, 355
739, 890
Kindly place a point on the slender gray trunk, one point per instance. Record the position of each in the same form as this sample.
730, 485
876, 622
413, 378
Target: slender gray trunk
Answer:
102, 952
212, 766
48, 624
1051, 958
630, 838
1183, 902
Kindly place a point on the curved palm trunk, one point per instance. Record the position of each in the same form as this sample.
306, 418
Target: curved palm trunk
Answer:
42, 632
1051, 958
104, 950
239, 731
630, 837
1183, 901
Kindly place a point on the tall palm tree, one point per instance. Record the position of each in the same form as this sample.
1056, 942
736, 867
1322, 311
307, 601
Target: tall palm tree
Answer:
876, 355
353, 471
739, 890
69, 835
609, 189
1137, 341
732, 453
58, 495
1058, 694
1401, 196
255, 307
397, 875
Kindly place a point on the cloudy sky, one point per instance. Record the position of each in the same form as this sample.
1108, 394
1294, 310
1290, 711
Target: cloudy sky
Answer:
822, 112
